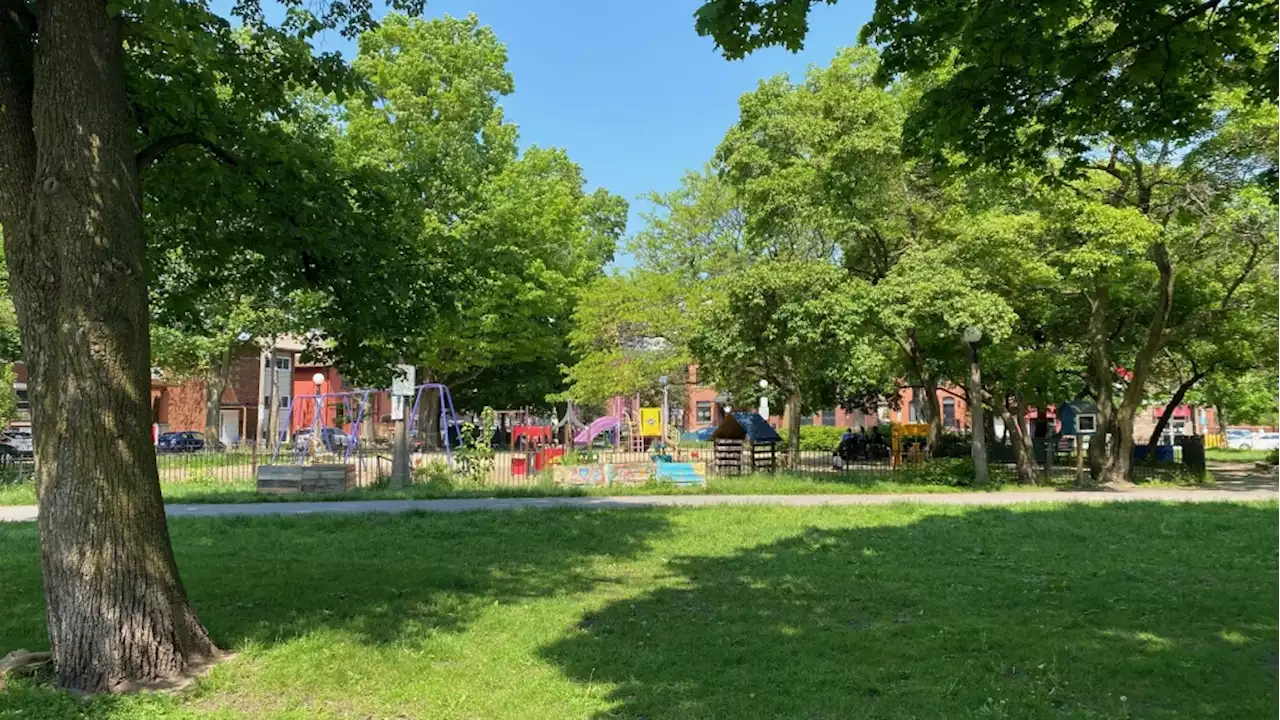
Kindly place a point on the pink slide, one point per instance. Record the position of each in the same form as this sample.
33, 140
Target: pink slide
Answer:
597, 426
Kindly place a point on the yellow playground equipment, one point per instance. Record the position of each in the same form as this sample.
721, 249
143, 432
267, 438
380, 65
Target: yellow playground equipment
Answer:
910, 444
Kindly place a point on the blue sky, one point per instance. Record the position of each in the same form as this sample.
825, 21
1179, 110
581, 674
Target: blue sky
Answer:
628, 88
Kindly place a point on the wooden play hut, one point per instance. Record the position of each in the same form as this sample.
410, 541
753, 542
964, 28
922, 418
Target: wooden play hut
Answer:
745, 435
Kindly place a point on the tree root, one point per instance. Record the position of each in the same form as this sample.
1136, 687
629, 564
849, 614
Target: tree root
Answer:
22, 661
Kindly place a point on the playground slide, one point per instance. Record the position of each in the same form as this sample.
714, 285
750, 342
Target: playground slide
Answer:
597, 426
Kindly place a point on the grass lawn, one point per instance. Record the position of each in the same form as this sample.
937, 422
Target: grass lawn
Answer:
1231, 455
1111, 611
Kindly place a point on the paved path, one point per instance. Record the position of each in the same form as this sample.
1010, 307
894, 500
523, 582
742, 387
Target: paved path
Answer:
25, 513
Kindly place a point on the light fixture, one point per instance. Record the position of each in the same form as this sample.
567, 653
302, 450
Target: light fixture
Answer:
972, 334
663, 380
764, 384
318, 378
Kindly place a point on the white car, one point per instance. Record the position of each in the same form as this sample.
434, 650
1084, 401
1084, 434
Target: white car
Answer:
1256, 441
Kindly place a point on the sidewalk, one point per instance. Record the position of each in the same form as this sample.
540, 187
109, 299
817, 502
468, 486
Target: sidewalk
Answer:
27, 513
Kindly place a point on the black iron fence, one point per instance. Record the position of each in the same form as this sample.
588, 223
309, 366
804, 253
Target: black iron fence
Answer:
237, 466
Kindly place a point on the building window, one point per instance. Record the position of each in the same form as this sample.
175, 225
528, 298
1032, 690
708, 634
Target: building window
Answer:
913, 411
283, 363
703, 413
1086, 423
284, 401
829, 417
949, 413
266, 401
806, 419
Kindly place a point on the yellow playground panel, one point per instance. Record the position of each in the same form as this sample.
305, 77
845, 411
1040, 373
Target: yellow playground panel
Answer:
650, 422
909, 441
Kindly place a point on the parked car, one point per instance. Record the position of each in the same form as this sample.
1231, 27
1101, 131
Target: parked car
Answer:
183, 441
331, 439
1256, 441
16, 445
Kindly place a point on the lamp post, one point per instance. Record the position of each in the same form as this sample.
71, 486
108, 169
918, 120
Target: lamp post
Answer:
972, 335
764, 400
316, 422
664, 381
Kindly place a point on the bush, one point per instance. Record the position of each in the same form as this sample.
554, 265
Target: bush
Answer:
434, 473
1274, 457
816, 437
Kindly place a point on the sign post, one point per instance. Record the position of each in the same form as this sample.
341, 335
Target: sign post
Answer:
401, 389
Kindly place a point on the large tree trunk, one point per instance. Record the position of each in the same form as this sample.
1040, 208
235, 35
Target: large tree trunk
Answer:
1102, 376
117, 614
933, 409
1024, 456
1169, 407
213, 387
792, 419
1116, 471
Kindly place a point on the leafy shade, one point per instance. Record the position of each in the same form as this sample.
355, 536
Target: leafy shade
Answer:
1050, 77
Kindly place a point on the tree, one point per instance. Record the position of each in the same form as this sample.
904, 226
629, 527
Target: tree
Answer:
519, 233
794, 324
628, 331
79, 121
1026, 83
695, 232
819, 171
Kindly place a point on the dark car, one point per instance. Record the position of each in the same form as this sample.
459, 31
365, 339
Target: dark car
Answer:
184, 441
16, 445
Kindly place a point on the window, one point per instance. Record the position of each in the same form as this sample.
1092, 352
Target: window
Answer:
949, 413
913, 408
703, 416
283, 363
806, 419
1086, 423
829, 417
284, 401
266, 401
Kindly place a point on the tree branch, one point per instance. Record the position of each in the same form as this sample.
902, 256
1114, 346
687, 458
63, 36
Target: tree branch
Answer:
152, 153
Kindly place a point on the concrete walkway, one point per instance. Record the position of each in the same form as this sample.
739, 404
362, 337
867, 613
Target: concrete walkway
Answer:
27, 513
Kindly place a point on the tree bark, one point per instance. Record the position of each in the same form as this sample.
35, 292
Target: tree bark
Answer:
933, 409
213, 387
118, 616
1102, 375
1169, 407
792, 413
1120, 459
1024, 457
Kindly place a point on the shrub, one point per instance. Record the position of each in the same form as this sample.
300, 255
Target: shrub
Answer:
434, 473
1274, 457
816, 437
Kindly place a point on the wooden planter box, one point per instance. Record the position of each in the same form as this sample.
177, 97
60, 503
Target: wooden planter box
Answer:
305, 478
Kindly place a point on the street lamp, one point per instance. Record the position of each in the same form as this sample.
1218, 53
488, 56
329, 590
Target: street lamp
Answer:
978, 449
764, 400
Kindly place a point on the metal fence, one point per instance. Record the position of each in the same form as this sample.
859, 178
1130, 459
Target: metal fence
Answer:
237, 466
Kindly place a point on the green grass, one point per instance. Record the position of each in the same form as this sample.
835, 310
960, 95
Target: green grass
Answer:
1110, 611
1231, 455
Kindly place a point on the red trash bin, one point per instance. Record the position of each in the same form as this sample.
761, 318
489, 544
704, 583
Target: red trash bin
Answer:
519, 466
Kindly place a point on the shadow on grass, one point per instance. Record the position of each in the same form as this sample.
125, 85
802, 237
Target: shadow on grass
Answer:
387, 580
1134, 610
